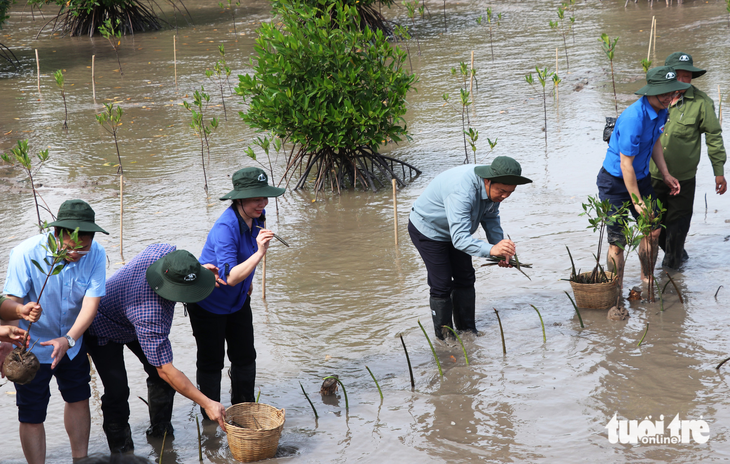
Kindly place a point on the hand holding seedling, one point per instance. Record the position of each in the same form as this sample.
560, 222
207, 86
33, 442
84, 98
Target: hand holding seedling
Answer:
13, 336
505, 248
31, 311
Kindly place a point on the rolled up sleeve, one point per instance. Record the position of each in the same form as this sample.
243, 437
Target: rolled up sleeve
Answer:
459, 206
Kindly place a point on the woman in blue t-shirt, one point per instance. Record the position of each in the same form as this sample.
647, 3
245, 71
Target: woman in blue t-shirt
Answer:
236, 244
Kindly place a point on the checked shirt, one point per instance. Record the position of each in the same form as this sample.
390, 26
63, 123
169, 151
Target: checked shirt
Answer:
131, 310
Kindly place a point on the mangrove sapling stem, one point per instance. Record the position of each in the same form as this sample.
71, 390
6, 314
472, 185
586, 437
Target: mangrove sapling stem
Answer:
679, 294
258, 396
60, 82
643, 336
316, 416
501, 331
408, 360
576, 309
200, 440
395, 212
376, 382
466, 359
21, 156
723, 362
162, 449
344, 392
174, 56
93, 76
433, 351
718, 291
544, 338
572, 264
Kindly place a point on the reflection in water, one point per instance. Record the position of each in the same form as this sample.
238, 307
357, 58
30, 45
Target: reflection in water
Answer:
337, 298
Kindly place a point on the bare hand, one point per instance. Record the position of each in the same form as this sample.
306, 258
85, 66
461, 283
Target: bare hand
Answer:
216, 412
263, 239
31, 311
214, 269
672, 183
720, 185
505, 248
60, 346
12, 334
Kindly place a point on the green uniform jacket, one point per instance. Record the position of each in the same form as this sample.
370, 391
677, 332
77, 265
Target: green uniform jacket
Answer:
682, 137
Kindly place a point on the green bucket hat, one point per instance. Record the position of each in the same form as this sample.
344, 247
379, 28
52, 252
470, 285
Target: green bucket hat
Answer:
683, 61
503, 170
251, 183
76, 213
661, 80
178, 276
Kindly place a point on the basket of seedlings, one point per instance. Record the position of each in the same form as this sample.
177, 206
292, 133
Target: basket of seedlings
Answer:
597, 289
254, 430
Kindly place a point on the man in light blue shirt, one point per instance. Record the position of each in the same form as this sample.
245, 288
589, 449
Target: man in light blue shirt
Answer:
441, 225
69, 300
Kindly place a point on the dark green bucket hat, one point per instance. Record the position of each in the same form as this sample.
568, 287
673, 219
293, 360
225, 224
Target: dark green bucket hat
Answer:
178, 276
503, 170
683, 61
77, 213
661, 80
252, 183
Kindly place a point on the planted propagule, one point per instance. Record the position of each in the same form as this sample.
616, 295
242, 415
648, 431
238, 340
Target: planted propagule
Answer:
20, 155
609, 48
110, 119
202, 129
60, 81
543, 76
114, 36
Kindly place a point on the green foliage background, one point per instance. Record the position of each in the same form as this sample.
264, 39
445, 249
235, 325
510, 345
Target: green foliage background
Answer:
322, 82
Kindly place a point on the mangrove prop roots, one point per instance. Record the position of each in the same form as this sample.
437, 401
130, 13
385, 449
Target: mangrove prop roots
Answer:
21, 366
133, 17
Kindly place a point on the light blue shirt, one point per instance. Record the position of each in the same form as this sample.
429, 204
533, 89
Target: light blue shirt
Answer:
453, 206
63, 294
637, 130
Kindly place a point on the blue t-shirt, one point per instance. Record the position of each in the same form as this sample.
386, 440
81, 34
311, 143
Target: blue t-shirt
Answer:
637, 130
230, 242
63, 295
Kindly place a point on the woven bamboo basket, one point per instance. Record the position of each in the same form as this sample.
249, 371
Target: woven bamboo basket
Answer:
596, 296
255, 432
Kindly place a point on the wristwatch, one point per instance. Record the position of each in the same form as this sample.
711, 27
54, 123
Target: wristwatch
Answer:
71, 341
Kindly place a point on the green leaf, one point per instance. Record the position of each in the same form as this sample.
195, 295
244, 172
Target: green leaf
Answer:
57, 269
35, 263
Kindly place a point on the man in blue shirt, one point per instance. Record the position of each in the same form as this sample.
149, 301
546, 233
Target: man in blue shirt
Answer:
137, 311
69, 301
633, 144
441, 225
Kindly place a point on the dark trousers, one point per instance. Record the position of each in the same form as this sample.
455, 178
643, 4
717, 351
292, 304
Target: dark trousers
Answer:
676, 219
447, 267
109, 363
212, 333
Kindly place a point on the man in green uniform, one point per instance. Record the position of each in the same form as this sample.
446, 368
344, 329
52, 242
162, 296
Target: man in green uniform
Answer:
690, 115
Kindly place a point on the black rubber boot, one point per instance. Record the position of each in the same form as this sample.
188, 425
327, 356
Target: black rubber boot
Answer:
209, 384
675, 235
119, 437
441, 309
243, 379
160, 399
464, 301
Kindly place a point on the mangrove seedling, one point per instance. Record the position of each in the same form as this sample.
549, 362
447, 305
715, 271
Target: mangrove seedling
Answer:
501, 331
560, 26
556, 81
110, 119
316, 416
162, 448
543, 76
717, 291
401, 33
466, 358
723, 362
490, 19
265, 144
609, 48
544, 338
643, 336
200, 440
199, 125
679, 294
221, 72
411, 10
433, 351
60, 81
374, 380
645, 65
408, 360
649, 219
600, 215
113, 33
344, 392
20, 155
231, 10
576, 309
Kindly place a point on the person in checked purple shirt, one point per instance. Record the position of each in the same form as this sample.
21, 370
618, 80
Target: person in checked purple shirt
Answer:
137, 312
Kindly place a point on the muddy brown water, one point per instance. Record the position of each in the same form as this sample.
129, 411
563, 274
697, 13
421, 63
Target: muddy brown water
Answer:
340, 296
